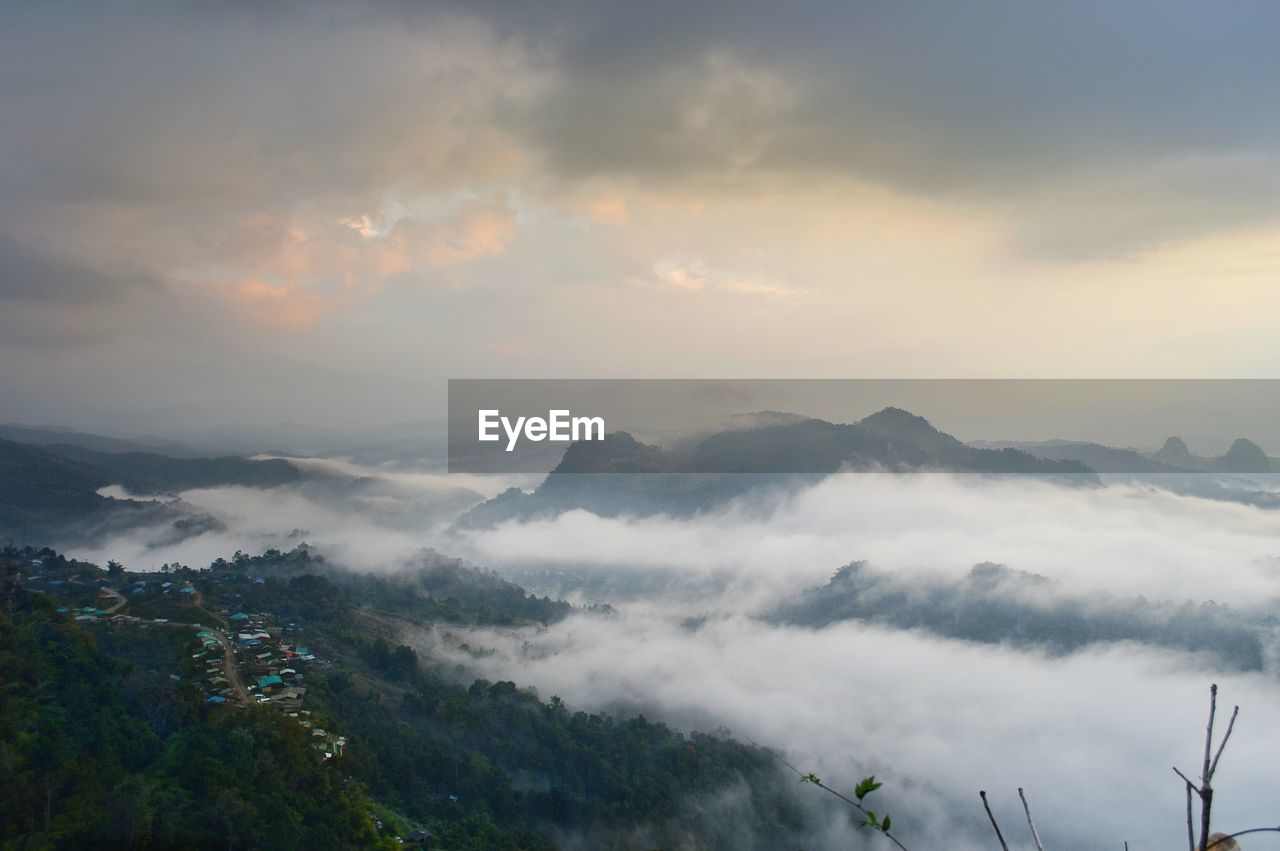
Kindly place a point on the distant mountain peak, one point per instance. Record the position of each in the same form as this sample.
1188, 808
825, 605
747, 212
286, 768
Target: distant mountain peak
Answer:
896, 415
1175, 449
1245, 456
759, 419
618, 452
898, 424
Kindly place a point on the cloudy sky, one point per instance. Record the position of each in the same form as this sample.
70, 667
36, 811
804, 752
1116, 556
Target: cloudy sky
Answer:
220, 212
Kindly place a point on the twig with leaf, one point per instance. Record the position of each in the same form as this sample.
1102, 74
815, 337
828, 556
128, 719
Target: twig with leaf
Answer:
880, 824
864, 788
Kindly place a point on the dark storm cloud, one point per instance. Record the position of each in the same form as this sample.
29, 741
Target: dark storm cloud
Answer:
988, 91
1154, 114
229, 107
1100, 128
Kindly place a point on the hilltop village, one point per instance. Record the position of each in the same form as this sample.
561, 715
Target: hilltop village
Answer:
244, 657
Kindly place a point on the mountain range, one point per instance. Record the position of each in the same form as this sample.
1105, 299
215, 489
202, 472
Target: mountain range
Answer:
714, 469
51, 477
53, 491
1243, 457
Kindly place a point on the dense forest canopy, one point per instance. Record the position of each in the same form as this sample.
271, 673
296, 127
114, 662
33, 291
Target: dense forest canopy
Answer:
108, 740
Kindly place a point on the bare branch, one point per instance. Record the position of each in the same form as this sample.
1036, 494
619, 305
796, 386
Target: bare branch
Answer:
1206, 773
1213, 768
1208, 736
1004, 845
1221, 839
1191, 830
1027, 809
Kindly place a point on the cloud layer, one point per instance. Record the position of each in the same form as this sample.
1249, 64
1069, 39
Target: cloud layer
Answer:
365, 201
1092, 731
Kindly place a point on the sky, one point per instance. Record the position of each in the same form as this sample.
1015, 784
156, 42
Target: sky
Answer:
319, 211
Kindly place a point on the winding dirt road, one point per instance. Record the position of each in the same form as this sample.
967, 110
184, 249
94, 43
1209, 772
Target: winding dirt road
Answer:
230, 669
120, 600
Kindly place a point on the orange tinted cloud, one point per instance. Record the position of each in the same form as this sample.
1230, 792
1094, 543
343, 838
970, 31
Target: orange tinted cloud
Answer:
295, 271
274, 245
601, 207
476, 231
286, 308
698, 275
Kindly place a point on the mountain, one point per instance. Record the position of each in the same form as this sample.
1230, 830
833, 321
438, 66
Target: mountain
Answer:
1244, 456
430, 586
621, 475
1174, 456
47, 435
897, 424
44, 495
891, 440
1176, 453
128, 739
1103, 459
51, 492
416, 445
619, 452
996, 604
149, 473
36, 479
418, 441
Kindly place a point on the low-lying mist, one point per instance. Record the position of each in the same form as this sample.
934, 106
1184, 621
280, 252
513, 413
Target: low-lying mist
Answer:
1090, 731
1091, 735
364, 517
1125, 539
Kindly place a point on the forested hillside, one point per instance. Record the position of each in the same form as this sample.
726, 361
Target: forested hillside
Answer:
51, 492
996, 604
100, 754
109, 741
44, 495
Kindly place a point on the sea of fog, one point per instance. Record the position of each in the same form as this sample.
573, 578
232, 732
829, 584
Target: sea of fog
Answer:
1091, 735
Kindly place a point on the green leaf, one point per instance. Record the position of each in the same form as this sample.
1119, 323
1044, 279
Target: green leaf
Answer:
865, 787
884, 825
